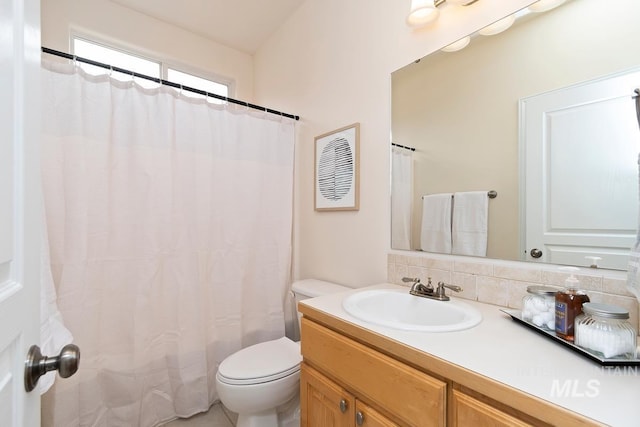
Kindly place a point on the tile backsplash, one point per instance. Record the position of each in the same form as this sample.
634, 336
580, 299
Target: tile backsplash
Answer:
504, 283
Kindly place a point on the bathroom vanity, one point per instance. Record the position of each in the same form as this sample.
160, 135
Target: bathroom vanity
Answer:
497, 373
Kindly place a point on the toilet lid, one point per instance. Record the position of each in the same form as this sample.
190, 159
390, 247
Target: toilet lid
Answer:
263, 362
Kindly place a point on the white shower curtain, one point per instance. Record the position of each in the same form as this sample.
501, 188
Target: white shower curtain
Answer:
169, 225
401, 196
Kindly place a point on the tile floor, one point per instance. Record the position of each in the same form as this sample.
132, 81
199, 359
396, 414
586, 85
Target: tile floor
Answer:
217, 416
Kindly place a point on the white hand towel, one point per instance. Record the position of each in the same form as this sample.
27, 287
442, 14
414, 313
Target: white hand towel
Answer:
435, 235
470, 223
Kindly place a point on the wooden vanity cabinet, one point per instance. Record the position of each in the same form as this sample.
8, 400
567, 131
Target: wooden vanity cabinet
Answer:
383, 390
350, 375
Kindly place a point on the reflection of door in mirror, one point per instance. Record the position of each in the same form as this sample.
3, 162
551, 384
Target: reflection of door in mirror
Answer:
460, 109
581, 146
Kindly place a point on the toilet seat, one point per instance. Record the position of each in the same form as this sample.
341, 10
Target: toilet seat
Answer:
261, 363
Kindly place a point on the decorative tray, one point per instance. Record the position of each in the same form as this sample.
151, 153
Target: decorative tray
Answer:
517, 316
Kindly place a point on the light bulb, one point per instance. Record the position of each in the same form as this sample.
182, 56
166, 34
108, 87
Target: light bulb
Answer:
422, 12
498, 26
457, 45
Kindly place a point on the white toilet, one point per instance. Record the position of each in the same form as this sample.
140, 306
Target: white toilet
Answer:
261, 383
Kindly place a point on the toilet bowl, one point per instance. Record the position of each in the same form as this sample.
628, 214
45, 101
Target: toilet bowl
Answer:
258, 381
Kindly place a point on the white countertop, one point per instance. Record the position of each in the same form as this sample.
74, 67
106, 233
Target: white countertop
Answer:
506, 351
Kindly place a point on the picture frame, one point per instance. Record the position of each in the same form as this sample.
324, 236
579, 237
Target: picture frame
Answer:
337, 170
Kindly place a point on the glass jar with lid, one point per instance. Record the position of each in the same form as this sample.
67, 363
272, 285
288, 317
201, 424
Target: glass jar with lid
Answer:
605, 331
538, 307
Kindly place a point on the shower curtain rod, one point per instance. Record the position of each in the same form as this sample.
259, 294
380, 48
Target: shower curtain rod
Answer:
406, 147
166, 82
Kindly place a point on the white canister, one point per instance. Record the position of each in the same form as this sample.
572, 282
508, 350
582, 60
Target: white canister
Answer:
605, 331
538, 307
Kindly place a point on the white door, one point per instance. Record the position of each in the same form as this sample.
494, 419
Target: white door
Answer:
20, 212
580, 149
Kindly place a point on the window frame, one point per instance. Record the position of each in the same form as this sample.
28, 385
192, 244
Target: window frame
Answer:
164, 64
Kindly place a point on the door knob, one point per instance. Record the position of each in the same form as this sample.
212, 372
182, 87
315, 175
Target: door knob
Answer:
535, 253
343, 406
36, 365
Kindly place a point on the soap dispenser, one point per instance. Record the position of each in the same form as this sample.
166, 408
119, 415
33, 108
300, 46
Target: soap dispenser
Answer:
569, 305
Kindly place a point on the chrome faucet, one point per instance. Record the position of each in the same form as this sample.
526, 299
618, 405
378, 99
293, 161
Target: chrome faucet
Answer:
427, 291
418, 288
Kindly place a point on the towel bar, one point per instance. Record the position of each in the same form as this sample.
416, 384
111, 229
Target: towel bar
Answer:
491, 194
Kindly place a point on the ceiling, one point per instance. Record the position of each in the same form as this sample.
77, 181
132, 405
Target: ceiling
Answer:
240, 24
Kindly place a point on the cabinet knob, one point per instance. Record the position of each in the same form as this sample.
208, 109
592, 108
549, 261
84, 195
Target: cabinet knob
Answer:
359, 418
343, 406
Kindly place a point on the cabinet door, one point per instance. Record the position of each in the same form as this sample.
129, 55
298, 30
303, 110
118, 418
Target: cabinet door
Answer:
468, 411
366, 416
324, 403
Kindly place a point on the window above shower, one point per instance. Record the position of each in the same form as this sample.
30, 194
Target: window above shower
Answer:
132, 61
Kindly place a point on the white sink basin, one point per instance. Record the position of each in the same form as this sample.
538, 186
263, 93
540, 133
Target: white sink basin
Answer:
398, 309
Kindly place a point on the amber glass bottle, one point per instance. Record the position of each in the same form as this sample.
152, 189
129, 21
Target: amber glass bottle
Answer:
568, 306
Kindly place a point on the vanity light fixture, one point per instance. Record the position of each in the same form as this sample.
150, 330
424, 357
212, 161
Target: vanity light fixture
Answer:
457, 45
461, 2
544, 5
498, 26
423, 12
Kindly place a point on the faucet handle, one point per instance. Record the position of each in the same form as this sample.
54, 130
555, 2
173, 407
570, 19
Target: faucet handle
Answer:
411, 279
441, 293
452, 287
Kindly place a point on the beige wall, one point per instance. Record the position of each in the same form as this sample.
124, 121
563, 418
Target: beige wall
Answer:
111, 23
331, 64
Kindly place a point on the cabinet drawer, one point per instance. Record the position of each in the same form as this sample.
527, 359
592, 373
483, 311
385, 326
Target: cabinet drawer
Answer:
413, 397
468, 411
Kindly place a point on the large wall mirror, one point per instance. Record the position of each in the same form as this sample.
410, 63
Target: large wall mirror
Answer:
463, 113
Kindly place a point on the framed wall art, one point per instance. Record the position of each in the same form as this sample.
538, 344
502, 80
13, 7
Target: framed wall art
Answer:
337, 169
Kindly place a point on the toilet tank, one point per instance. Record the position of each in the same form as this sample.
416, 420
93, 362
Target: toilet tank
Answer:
310, 288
